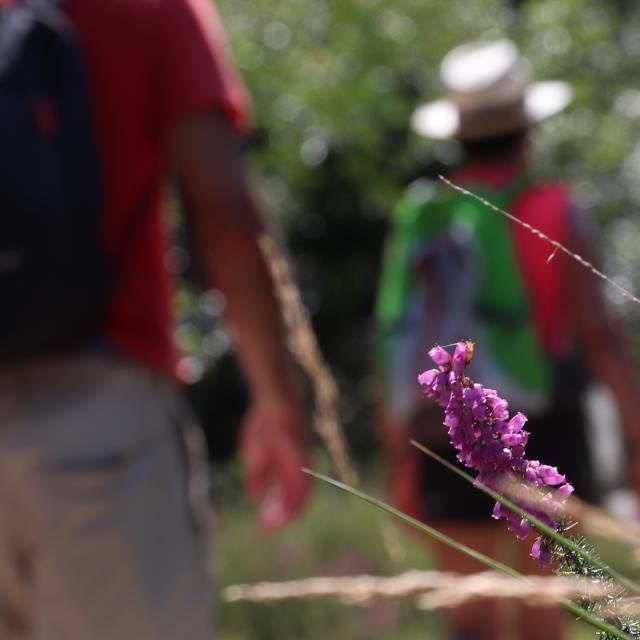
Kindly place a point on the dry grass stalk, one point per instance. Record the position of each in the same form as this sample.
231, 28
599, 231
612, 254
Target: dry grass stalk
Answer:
557, 245
626, 607
433, 589
536, 590
304, 346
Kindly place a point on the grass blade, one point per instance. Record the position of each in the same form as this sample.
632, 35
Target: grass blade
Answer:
486, 560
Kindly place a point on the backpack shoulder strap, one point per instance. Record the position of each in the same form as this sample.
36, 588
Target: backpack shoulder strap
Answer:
407, 220
502, 303
425, 211
18, 20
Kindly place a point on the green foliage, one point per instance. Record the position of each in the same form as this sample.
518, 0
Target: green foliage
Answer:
333, 86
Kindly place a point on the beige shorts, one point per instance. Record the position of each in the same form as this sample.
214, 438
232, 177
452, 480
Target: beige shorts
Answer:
98, 537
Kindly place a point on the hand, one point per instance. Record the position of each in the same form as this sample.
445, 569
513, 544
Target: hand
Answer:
273, 448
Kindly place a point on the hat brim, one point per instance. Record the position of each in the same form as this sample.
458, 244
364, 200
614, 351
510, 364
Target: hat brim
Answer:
441, 120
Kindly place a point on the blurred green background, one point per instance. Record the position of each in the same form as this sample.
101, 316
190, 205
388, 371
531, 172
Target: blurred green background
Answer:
333, 84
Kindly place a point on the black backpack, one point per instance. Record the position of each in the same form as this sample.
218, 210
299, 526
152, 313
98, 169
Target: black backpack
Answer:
54, 278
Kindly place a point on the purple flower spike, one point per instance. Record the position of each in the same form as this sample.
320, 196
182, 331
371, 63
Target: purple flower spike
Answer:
428, 377
460, 358
493, 444
517, 422
521, 528
440, 356
499, 407
564, 491
541, 552
550, 475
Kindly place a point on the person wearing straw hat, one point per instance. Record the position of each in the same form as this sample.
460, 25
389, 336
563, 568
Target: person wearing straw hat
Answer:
489, 94
104, 491
453, 269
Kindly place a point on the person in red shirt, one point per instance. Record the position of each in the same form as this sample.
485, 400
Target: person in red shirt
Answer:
490, 109
99, 535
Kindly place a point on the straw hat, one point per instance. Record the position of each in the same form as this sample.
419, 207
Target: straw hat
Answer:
488, 94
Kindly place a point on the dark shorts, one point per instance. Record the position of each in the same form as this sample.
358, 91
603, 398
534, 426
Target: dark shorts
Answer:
558, 438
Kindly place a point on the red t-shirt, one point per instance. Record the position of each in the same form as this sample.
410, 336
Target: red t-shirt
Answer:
150, 62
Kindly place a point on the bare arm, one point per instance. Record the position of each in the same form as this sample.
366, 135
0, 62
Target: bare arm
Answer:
604, 346
206, 156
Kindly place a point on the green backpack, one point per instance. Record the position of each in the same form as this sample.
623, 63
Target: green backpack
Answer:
449, 273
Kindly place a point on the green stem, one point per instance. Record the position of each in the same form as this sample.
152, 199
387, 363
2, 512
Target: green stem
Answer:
567, 543
486, 560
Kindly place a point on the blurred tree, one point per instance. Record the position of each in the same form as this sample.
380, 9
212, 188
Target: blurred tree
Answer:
334, 84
